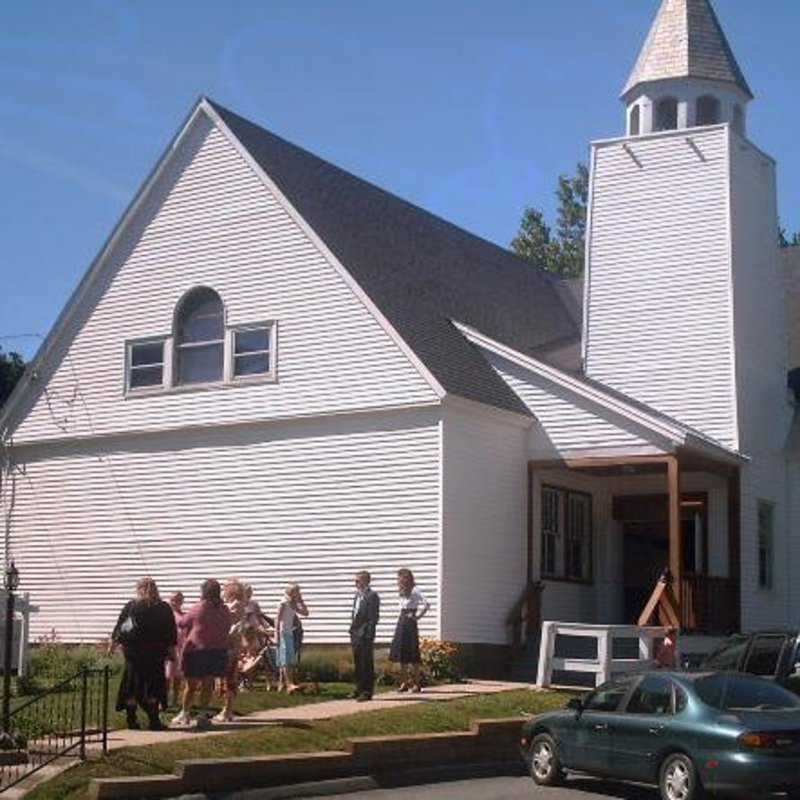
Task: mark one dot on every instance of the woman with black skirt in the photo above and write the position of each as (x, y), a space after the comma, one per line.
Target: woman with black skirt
(405, 644)
(146, 631)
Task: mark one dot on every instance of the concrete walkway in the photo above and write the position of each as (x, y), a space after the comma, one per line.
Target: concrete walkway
(314, 712)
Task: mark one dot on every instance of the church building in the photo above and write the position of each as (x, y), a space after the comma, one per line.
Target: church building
(278, 371)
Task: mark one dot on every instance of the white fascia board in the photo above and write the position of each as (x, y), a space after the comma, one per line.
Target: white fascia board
(301, 222)
(96, 267)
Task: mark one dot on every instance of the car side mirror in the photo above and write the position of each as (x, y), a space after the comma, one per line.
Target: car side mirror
(796, 673)
(575, 704)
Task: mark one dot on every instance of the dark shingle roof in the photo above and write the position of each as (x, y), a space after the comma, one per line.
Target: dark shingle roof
(419, 270)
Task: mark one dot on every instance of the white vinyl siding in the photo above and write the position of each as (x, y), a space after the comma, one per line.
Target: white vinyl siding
(760, 326)
(210, 221)
(311, 501)
(484, 529)
(659, 305)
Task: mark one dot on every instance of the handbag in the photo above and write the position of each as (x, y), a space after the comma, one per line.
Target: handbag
(128, 631)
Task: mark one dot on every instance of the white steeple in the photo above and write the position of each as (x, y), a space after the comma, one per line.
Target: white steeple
(686, 74)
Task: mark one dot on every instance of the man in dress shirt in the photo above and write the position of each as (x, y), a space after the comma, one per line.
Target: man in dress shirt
(364, 619)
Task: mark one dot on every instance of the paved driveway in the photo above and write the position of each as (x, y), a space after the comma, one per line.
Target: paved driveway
(521, 788)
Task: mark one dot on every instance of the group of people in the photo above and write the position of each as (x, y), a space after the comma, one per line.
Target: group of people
(225, 636)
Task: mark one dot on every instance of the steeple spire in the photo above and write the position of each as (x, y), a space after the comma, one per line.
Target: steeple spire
(687, 41)
(686, 75)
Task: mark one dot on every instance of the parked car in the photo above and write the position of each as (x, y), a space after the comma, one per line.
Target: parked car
(774, 655)
(726, 733)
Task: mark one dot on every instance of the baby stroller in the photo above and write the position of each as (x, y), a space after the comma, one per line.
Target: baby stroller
(258, 659)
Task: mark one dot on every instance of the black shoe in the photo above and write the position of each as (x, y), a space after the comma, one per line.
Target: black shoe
(156, 725)
(364, 698)
(132, 721)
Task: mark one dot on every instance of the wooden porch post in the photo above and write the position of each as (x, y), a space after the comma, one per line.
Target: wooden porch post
(675, 538)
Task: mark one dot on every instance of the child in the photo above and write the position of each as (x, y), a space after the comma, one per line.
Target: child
(667, 653)
(286, 621)
(173, 665)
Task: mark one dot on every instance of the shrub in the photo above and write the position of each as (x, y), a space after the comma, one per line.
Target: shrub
(52, 661)
(440, 660)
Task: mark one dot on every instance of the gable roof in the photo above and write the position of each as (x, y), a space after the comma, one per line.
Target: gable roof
(687, 41)
(418, 269)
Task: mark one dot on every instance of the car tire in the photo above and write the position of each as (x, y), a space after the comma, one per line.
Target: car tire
(678, 779)
(545, 765)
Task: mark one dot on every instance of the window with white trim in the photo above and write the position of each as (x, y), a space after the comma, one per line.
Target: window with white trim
(200, 338)
(145, 364)
(766, 523)
(251, 351)
(566, 532)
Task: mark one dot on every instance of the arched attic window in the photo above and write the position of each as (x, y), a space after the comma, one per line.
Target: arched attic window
(200, 337)
(708, 110)
(634, 123)
(667, 114)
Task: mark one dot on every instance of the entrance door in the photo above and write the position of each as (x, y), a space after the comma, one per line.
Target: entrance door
(645, 530)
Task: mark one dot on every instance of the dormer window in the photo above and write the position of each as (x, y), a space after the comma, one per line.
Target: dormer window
(708, 111)
(200, 337)
(634, 124)
(667, 114)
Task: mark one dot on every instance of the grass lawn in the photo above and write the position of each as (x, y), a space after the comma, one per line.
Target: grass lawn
(455, 715)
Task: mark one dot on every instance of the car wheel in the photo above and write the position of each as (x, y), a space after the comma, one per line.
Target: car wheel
(678, 779)
(545, 763)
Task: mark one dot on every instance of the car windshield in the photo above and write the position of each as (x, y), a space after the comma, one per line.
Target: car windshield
(728, 656)
(742, 693)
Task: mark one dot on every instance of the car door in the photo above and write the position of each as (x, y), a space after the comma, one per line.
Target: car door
(641, 730)
(592, 744)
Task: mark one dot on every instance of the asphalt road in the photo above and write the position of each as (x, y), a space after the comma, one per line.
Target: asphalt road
(507, 788)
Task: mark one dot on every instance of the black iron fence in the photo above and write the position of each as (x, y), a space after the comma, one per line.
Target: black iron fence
(62, 721)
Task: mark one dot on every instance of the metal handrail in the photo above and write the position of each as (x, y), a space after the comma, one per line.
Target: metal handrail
(56, 722)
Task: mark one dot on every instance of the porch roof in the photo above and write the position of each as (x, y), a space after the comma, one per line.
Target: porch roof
(695, 449)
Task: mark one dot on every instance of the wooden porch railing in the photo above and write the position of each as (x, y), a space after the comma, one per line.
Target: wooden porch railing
(709, 605)
(525, 615)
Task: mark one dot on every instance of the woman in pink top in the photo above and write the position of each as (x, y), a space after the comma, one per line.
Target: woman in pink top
(205, 652)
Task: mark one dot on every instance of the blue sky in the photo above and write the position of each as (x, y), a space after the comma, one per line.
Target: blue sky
(470, 109)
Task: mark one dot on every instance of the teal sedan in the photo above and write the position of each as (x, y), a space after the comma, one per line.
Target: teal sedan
(689, 734)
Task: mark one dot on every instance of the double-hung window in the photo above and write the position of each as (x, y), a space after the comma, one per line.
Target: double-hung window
(145, 364)
(251, 351)
(566, 531)
(766, 522)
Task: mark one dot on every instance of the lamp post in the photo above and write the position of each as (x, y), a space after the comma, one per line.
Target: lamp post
(11, 583)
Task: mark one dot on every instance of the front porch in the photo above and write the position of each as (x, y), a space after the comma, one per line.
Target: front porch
(602, 530)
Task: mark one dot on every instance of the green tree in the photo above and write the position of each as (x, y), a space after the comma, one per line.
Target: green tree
(562, 254)
(784, 240)
(11, 368)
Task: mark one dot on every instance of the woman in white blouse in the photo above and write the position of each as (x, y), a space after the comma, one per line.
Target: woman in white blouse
(405, 644)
